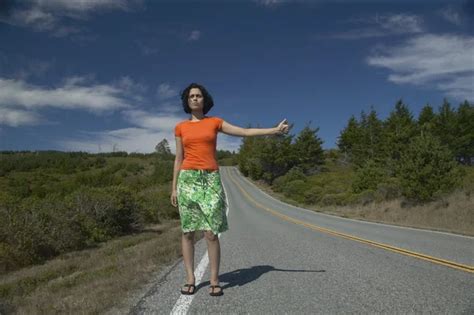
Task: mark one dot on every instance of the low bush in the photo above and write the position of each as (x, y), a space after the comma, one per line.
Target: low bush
(339, 199)
(35, 229)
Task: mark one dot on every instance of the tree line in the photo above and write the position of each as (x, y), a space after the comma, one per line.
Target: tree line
(53, 202)
(417, 157)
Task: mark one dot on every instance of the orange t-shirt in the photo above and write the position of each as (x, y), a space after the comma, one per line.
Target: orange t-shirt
(199, 142)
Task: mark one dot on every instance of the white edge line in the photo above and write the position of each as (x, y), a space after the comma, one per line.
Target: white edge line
(184, 301)
(354, 220)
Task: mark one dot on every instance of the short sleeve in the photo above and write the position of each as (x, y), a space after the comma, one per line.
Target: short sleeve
(219, 122)
(177, 130)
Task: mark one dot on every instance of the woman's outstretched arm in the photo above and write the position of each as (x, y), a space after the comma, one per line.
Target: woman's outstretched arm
(232, 130)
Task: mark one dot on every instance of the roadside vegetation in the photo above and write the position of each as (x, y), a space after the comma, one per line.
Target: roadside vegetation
(84, 232)
(401, 170)
(84, 229)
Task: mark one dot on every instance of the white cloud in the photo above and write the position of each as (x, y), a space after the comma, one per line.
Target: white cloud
(195, 35)
(42, 15)
(17, 117)
(145, 131)
(452, 16)
(127, 139)
(82, 5)
(73, 94)
(445, 62)
(148, 129)
(134, 140)
(461, 88)
(131, 87)
(270, 3)
(169, 107)
(383, 25)
(165, 91)
(33, 17)
(20, 101)
(152, 121)
(400, 23)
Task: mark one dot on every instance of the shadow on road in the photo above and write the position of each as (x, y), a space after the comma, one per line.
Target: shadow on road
(241, 277)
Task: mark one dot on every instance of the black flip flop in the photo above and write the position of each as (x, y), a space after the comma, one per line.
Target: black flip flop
(216, 293)
(189, 287)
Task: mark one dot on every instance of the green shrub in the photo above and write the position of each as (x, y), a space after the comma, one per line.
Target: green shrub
(365, 197)
(99, 162)
(228, 161)
(338, 199)
(101, 178)
(389, 189)
(105, 212)
(165, 210)
(293, 174)
(37, 229)
(156, 205)
(313, 195)
(19, 186)
(295, 190)
(162, 171)
(254, 168)
(134, 168)
(368, 177)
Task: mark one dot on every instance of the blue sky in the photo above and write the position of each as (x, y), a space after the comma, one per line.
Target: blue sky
(104, 75)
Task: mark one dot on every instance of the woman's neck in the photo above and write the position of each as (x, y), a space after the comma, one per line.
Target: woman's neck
(197, 116)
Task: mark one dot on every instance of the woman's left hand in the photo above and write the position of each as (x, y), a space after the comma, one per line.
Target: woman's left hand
(282, 127)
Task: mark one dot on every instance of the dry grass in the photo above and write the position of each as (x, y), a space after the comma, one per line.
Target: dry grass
(93, 280)
(110, 276)
(453, 213)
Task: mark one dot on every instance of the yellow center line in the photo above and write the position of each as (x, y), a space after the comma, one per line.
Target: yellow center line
(436, 260)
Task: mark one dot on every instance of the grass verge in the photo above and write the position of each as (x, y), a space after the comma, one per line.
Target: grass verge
(93, 280)
(453, 213)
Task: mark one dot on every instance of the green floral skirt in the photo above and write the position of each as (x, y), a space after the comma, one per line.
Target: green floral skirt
(201, 201)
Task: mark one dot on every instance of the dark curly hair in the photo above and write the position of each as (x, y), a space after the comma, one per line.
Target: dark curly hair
(208, 101)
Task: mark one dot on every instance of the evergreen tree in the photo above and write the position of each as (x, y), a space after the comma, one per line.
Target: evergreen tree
(276, 156)
(350, 137)
(308, 150)
(372, 136)
(399, 129)
(464, 141)
(426, 119)
(427, 168)
(368, 176)
(359, 152)
(266, 157)
(445, 125)
(249, 161)
(362, 140)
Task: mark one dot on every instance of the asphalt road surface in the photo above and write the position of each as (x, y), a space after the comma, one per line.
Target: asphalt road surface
(281, 259)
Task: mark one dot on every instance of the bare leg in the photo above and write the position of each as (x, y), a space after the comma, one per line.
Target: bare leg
(187, 242)
(214, 249)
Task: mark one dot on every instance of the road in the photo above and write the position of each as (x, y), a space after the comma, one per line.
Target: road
(281, 259)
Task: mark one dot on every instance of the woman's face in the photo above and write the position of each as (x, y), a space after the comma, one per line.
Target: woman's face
(195, 99)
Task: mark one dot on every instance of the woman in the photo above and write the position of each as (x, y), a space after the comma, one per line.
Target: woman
(197, 187)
